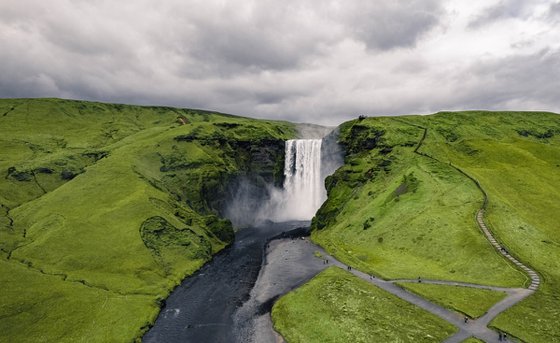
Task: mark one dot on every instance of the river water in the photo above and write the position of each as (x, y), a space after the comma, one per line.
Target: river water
(220, 304)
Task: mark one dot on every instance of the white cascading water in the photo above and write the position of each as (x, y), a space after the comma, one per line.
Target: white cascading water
(303, 191)
(307, 163)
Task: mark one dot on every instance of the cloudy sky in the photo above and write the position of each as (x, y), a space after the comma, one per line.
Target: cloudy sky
(313, 61)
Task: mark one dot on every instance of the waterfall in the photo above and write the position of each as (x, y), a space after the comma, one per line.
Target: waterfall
(306, 165)
(303, 191)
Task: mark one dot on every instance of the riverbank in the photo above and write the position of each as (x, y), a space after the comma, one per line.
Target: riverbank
(204, 307)
(288, 264)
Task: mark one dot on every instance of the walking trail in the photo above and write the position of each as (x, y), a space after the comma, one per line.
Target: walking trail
(474, 327)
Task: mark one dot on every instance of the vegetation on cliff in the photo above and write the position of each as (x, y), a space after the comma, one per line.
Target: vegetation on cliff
(402, 206)
(105, 208)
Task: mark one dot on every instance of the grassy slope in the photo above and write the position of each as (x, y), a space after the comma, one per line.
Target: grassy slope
(470, 301)
(336, 306)
(416, 204)
(103, 211)
(430, 231)
(520, 171)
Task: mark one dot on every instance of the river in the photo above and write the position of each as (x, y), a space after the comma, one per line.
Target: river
(229, 299)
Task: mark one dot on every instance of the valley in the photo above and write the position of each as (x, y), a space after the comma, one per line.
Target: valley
(116, 225)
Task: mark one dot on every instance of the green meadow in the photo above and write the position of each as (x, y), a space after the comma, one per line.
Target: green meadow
(106, 208)
(516, 158)
(336, 306)
(401, 214)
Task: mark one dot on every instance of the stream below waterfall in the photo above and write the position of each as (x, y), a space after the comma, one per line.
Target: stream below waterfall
(229, 299)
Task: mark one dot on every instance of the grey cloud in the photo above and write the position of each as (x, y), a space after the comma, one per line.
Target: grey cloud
(554, 12)
(263, 35)
(268, 35)
(505, 9)
(532, 79)
(392, 24)
(518, 82)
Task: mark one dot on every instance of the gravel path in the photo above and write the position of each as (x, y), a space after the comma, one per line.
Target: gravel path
(304, 260)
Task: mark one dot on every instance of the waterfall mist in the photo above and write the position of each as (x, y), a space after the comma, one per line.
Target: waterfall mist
(307, 163)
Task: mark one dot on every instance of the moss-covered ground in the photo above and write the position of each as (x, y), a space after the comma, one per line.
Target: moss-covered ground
(473, 302)
(336, 306)
(401, 214)
(105, 208)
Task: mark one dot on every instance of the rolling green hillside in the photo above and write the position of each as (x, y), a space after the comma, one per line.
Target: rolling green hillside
(401, 207)
(105, 208)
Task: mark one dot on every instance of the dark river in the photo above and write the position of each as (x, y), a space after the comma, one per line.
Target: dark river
(220, 303)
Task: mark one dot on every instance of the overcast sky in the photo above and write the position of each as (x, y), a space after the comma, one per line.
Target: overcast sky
(308, 61)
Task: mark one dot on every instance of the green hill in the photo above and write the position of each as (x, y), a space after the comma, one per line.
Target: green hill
(105, 208)
(401, 207)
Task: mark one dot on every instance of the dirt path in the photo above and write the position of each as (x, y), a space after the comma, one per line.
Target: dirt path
(475, 327)
(287, 255)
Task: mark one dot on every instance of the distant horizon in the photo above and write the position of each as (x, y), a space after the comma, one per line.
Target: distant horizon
(291, 60)
(280, 119)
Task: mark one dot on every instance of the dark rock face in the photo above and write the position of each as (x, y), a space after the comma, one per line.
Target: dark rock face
(67, 175)
(19, 175)
(332, 154)
(43, 170)
(267, 161)
(252, 163)
(362, 137)
(260, 163)
(262, 168)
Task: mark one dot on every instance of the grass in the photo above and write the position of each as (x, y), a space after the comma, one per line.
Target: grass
(336, 306)
(519, 172)
(393, 208)
(472, 302)
(377, 220)
(46, 308)
(106, 208)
